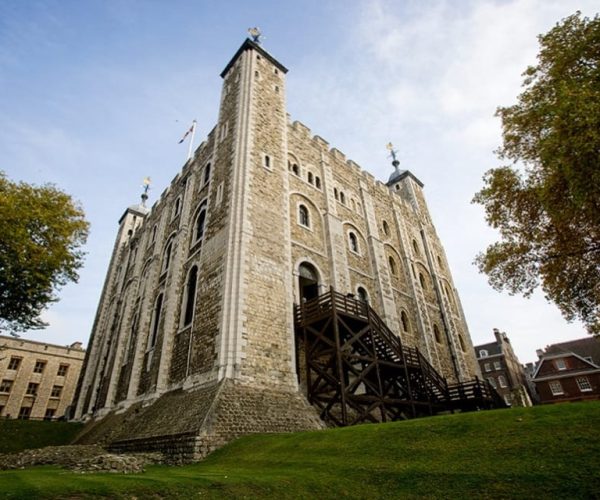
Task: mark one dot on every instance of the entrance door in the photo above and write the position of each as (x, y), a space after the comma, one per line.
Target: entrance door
(308, 282)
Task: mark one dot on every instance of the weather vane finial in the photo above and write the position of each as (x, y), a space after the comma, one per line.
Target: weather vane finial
(146, 186)
(256, 34)
(393, 154)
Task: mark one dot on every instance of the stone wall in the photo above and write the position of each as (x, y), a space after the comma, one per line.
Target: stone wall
(188, 425)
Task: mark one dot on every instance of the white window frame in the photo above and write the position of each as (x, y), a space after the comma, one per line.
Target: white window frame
(497, 365)
(483, 353)
(556, 388)
(584, 384)
(487, 367)
(560, 364)
(502, 382)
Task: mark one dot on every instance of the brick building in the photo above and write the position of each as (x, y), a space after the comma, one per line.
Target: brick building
(37, 380)
(569, 371)
(500, 366)
(198, 300)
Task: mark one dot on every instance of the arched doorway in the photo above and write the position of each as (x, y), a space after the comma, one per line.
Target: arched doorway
(308, 281)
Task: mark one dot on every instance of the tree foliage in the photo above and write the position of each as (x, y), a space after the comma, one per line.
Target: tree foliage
(41, 232)
(546, 203)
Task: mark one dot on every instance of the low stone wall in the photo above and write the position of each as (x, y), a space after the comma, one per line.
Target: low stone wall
(187, 426)
(176, 448)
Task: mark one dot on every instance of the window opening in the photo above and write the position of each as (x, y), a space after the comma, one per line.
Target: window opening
(190, 296)
(353, 242)
(438, 336)
(404, 320)
(386, 228)
(157, 313)
(303, 216)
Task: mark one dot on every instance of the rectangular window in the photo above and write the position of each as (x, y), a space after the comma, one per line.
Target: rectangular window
(62, 370)
(492, 382)
(497, 365)
(14, 363)
(56, 391)
(488, 367)
(555, 388)
(584, 384)
(24, 412)
(560, 364)
(502, 381)
(5, 386)
(49, 414)
(32, 389)
(507, 400)
(39, 367)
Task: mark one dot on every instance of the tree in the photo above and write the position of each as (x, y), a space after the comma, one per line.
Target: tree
(546, 203)
(41, 232)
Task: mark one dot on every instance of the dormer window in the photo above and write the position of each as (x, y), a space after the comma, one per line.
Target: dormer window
(483, 353)
(560, 364)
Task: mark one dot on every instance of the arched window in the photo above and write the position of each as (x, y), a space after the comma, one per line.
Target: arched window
(310, 178)
(422, 281)
(436, 333)
(362, 294)
(415, 247)
(404, 320)
(440, 262)
(267, 161)
(156, 320)
(167, 255)
(317, 182)
(200, 224)
(303, 216)
(154, 233)
(335, 194)
(483, 353)
(207, 174)
(392, 265)
(177, 207)
(295, 169)
(386, 228)
(502, 381)
(342, 198)
(353, 241)
(190, 296)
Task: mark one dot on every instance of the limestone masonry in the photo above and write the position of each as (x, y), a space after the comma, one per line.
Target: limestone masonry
(193, 342)
(37, 380)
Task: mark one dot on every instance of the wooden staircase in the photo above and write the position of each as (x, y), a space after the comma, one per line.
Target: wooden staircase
(355, 370)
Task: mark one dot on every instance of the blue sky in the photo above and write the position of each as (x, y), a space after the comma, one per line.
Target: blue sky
(95, 95)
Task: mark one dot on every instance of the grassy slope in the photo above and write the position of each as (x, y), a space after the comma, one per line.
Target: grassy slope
(18, 435)
(542, 452)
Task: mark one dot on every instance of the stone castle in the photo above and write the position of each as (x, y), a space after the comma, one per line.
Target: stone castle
(194, 340)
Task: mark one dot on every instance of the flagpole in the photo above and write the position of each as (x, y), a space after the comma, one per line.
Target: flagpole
(192, 140)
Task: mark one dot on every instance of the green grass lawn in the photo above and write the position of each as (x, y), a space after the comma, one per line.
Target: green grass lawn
(18, 435)
(544, 452)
